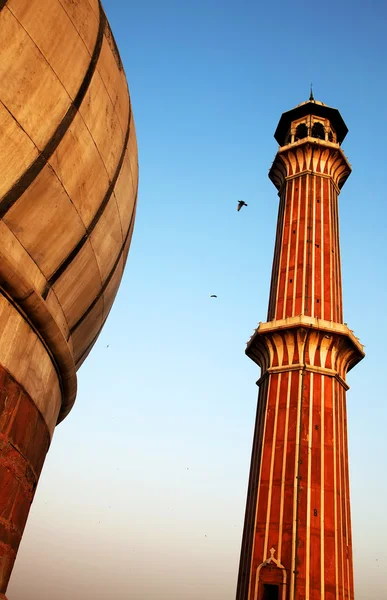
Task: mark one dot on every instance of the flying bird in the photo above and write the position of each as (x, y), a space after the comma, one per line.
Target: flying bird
(213, 296)
(240, 204)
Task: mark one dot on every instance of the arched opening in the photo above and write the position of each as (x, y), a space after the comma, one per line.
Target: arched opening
(330, 136)
(270, 583)
(318, 131)
(301, 132)
(270, 592)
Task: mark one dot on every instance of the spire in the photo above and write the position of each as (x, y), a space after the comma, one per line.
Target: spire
(311, 97)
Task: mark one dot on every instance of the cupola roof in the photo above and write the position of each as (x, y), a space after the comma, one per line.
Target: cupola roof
(310, 107)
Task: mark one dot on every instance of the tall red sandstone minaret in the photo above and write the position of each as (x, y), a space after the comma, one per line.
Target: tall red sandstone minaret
(297, 541)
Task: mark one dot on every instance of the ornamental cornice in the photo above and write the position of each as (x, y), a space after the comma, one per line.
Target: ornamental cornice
(316, 157)
(305, 343)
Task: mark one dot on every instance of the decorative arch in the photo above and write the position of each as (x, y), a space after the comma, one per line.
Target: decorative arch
(301, 132)
(259, 583)
(318, 131)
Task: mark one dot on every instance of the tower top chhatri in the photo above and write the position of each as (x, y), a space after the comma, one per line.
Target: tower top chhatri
(315, 108)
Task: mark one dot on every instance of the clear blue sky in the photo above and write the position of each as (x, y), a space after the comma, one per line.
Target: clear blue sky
(142, 496)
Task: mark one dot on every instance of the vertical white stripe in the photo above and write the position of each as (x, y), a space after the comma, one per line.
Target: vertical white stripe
(305, 244)
(331, 282)
(295, 488)
(322, 248)
(312, 311)
(309, 490)
(339, 429)
(346, 503)
(339, 316)
(335, 495)
(337, 259)
(322, 499)
(339, 291)
(284, 467)
(273, 449)
(335, 272)
(290, 212)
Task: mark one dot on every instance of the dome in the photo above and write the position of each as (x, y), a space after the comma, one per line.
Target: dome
(312, 100)
(69, 171)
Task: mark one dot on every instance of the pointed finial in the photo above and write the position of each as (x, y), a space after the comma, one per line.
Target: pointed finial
(311, 97)
(272, 552)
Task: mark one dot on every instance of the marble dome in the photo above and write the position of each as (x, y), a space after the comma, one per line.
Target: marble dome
(69, 174)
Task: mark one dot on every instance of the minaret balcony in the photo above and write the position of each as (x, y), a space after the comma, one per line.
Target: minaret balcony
(310, 156)
(305, 344)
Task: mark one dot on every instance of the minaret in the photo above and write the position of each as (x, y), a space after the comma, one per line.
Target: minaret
(297, 542)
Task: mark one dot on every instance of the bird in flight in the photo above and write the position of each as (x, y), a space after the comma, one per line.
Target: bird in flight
(240, 204)
(213, 296)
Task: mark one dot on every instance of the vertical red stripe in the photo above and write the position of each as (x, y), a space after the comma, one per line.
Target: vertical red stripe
(277, 467)
(315, 484)
(317, 250)
(329, 496)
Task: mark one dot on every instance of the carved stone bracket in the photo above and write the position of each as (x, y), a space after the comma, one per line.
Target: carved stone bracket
(310, 156)
(305, 343)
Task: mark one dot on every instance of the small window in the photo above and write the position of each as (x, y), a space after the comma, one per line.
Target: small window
(270, 592)
(330, 136)
(318, 131)
(301, 131)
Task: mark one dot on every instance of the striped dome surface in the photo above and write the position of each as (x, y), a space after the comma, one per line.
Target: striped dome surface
(69, 168)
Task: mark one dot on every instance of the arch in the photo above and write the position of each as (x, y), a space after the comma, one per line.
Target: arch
(318, 131)
(274, 566)
(301, 132)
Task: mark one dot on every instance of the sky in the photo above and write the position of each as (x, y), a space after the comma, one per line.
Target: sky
(143, 491)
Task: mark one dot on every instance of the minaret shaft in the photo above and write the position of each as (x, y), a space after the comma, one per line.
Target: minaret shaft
(307, 252)
(298, 501)
(297, 541)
